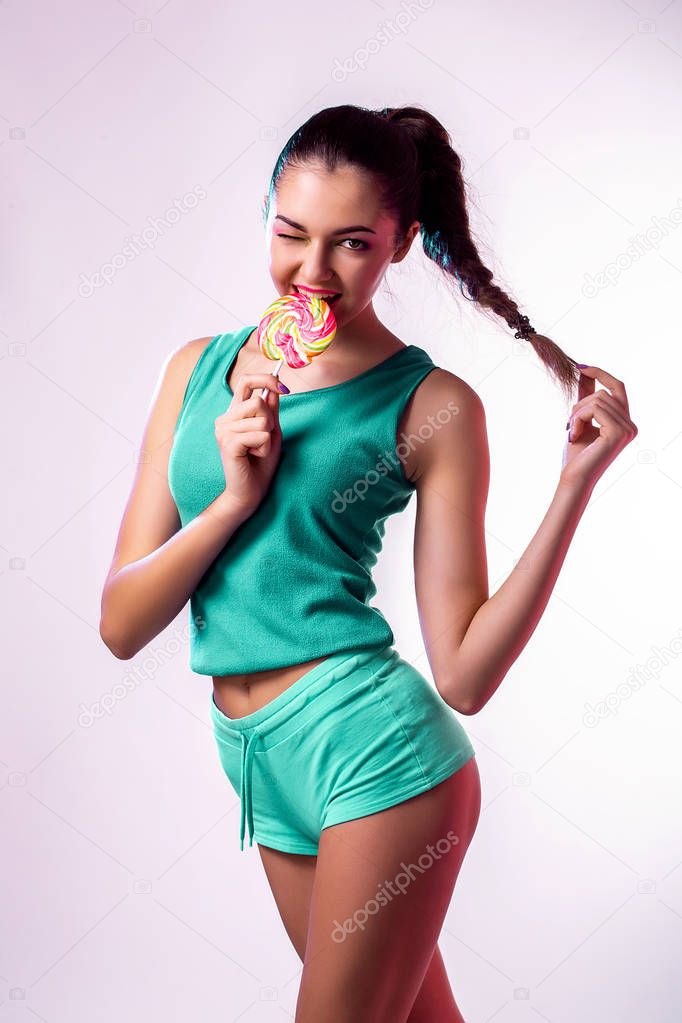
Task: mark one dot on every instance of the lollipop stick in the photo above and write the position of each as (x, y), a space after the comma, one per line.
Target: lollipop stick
(275, 373)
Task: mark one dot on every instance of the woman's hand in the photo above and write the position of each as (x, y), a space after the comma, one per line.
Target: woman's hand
(591, 449)
(250, 440)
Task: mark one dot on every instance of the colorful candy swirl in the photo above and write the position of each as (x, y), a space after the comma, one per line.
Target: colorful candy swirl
(297, 329)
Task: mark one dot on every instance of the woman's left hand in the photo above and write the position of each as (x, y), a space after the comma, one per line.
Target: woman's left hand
(591, 449)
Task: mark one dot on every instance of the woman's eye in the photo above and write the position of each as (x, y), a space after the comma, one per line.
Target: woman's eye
(359, 241)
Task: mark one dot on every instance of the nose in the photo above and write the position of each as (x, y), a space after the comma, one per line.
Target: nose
(315, 267)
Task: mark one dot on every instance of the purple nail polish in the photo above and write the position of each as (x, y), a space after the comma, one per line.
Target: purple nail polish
(282, 387)
(582, 365)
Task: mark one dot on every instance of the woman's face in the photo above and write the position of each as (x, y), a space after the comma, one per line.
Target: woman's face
(320, 252)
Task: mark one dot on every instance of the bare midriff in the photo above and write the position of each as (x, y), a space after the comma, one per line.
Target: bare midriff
(239, 695)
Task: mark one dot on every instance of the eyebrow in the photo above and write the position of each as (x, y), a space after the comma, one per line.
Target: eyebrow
(342, 230)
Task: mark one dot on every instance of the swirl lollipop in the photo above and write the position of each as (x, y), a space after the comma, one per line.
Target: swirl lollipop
(295, 329)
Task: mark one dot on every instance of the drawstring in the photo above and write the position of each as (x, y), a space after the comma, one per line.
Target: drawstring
(246, 785)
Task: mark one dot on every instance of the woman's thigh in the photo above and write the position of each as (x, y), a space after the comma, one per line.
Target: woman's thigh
(291, 878)
(382, 886)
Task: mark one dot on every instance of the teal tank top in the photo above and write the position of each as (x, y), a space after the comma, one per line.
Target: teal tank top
(294, 581)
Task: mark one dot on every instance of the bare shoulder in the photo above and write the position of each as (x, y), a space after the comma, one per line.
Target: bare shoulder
(171, 383)
(442, 385)
(447, 415)
(184, 358)
(176, 370)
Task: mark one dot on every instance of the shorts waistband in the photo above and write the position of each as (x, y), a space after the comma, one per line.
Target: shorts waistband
(279, 713)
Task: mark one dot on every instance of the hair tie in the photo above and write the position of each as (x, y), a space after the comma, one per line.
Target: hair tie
(524, 328)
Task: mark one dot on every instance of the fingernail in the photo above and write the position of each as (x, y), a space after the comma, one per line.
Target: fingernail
(568, 424)
(582, 365)
(283, 387)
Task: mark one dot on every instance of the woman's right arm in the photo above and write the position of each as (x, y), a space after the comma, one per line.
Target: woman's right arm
(157, 564)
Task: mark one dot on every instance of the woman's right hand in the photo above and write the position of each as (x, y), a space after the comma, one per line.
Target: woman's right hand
(250, 440)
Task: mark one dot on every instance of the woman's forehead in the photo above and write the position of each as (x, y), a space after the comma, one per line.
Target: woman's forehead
(329, 198)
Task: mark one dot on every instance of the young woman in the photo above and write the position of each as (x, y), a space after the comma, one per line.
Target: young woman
(355, 776)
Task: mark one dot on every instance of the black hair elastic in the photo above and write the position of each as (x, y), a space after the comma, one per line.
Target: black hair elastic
(524, 328)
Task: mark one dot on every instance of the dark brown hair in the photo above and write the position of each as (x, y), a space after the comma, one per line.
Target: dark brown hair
(409, 153)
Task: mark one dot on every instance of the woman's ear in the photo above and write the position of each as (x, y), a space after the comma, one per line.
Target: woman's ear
(404, 247)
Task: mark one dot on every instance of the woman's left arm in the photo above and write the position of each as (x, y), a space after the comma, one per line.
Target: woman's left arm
(472, 639)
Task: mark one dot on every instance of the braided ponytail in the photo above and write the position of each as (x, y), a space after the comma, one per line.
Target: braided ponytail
(446, 235)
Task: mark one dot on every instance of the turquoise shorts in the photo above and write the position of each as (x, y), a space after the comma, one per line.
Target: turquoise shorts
(357, 733)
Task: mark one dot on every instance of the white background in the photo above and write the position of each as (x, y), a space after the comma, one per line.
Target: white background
(125, 894)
